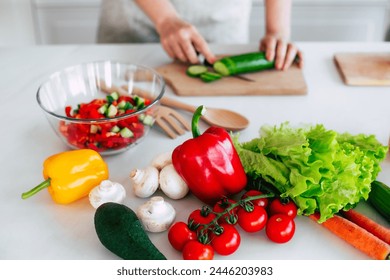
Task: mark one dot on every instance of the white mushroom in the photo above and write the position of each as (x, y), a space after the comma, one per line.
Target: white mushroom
(156, 215)
(171, 183)
(145, 181)
(162, 160)
(107, 191)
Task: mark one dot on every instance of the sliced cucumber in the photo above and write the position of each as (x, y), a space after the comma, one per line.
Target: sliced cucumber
(243, 63)
(210, 77)
(196, 70)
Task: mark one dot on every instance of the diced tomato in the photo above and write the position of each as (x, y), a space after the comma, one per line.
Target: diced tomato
(68, 111)
(125, 98)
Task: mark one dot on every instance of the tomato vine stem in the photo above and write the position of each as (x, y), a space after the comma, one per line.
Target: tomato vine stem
(202, 237)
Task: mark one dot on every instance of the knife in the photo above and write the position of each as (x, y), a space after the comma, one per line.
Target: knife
(241, 77)
(204, 61)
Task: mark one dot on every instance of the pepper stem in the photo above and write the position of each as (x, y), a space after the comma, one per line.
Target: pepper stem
(199, 112)
(38, 188)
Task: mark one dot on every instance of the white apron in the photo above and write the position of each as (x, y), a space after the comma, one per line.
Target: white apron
(219, 21)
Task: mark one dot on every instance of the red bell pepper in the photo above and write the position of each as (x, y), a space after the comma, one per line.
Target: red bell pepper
(209, 163)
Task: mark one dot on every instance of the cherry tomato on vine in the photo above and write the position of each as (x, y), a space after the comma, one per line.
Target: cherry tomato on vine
(227, 242)
(280, 228)
(179, 234)
(283, 206)
(221, 206)
(254, 220)
(194, 250)
(200, 217)
(263, 202)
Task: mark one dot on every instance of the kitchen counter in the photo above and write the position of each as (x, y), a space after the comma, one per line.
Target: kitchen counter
(38, 228)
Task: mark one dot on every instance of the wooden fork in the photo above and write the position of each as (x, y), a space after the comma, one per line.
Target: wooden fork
(171, 122)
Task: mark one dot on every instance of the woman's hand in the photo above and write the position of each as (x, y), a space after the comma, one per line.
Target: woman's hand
(283, 52)
(182, 41)
(275, 42)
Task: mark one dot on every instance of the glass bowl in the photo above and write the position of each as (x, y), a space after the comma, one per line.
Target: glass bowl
(106, 106)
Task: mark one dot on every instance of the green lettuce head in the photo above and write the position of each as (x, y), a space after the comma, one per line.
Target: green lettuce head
(321, 170)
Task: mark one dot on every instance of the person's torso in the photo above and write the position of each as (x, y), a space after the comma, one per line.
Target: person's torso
(219, 21)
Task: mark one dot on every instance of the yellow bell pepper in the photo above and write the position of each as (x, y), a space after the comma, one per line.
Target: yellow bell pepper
(71, 175)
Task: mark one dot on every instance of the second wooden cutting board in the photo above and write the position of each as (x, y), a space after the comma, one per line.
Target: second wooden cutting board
(269, 82)
(364, 69)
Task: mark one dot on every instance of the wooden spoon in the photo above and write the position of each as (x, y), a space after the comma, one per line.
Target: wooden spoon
(227, 119)
(224, 118)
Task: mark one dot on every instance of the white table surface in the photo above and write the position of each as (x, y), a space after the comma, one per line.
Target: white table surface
(38, 228)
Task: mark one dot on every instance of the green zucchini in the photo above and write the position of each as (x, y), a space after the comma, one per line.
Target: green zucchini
(196, 70)
(210, 77)
(379, 198)
(120, 231)
(243, 63)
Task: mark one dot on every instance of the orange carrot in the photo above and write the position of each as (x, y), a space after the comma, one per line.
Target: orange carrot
(356, 236)
(368, 224)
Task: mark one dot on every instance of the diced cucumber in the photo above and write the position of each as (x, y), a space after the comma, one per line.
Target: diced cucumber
(139, 101)
(103, 109)
(115, 129)
(93, 129)
(109, 99)
(126, 133)
(196, 70)
(124, 105)
(76, 111)
(243, 63)
(114, 95)
(148, 120)
(112, 111)
(210, 77)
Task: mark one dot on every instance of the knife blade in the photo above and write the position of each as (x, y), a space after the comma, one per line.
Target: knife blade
(243, 78)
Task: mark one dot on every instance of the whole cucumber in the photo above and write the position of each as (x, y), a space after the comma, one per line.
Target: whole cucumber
(379, 198)
(243, 63)
(120, 231)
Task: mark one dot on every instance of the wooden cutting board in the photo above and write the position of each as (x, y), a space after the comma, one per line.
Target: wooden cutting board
(364, 69)
(269, 82)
